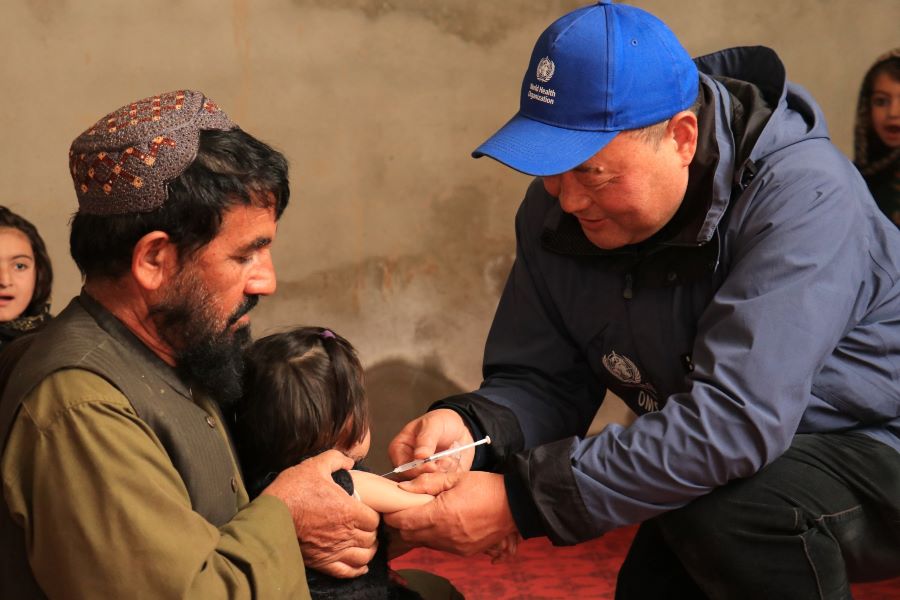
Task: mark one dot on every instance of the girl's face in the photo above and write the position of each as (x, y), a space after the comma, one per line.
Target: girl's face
(885, 109)
(17, 273)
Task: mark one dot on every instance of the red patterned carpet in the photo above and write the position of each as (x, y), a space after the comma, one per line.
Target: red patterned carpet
(541, 571)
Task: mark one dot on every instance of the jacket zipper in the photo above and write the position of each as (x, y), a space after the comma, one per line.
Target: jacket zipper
(628, 292)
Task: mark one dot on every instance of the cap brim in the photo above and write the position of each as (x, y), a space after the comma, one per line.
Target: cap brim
(535, 148)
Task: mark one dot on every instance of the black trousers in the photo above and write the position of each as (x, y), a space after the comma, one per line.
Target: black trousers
(825, 513)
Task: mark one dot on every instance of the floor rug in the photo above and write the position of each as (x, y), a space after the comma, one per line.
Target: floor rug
(541, 571)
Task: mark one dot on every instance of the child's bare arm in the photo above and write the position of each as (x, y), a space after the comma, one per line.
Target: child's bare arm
(383, 495)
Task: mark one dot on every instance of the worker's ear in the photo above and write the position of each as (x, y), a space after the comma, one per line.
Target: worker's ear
(153, 259)
(682, 130)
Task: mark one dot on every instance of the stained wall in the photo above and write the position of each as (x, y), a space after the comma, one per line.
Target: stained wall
(395, 237)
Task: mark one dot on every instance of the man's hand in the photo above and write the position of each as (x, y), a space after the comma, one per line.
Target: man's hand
(469, 515)
(432, 432)
(336, 532)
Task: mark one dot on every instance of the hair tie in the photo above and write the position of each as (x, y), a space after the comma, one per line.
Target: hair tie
(326, 333)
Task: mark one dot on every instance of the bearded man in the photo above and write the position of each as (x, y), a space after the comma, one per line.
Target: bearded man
(119, 478)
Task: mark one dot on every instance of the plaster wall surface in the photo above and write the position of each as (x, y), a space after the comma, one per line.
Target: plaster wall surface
(395, 237)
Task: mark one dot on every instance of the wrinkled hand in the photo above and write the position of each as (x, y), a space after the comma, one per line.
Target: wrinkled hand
(470, 513)
(432, 432)
(336, 532)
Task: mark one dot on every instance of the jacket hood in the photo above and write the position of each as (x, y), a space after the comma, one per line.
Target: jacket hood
(785, 114)
(796, 115)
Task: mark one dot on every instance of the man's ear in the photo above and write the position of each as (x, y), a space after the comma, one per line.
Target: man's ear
(684, 131)
(154, 257)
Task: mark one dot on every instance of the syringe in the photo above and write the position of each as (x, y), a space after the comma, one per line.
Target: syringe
(421, 461)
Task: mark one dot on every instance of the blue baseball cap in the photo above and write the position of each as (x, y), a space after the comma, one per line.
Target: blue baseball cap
(596, 71)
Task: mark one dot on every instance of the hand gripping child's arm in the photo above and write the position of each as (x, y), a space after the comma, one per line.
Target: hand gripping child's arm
(383, 496)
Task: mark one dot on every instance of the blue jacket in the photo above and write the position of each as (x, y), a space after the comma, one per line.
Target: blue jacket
(769, 307)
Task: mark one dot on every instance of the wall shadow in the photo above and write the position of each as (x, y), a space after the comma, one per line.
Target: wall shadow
(399, 391)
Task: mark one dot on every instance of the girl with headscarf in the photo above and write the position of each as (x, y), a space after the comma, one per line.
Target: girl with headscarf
(26, 277)
(877, 133)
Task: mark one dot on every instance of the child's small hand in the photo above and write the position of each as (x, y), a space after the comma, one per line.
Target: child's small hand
(504, 549)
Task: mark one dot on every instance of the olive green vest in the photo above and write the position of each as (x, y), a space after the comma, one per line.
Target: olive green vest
(86, 336)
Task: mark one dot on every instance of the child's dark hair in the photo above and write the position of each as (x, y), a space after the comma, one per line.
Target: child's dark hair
(303, 394)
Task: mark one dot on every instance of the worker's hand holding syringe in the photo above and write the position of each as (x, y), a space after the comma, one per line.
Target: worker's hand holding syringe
(470, 513)
(433, 432)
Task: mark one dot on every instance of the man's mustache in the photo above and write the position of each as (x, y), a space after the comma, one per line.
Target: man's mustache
(246, 306)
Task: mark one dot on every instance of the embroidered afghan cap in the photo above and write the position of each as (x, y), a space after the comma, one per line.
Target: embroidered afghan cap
(123, 163)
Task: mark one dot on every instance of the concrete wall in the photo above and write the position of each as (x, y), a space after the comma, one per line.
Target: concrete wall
(395, 237)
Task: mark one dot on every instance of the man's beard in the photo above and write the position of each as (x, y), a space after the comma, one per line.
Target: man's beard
(208, 352)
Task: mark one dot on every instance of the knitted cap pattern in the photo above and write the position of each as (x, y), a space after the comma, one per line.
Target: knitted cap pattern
(123, 163)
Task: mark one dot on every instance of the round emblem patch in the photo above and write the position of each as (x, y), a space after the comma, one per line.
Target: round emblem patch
(545, 69)
(622, 368)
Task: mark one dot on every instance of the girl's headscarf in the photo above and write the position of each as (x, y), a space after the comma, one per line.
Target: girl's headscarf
(870, 154)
